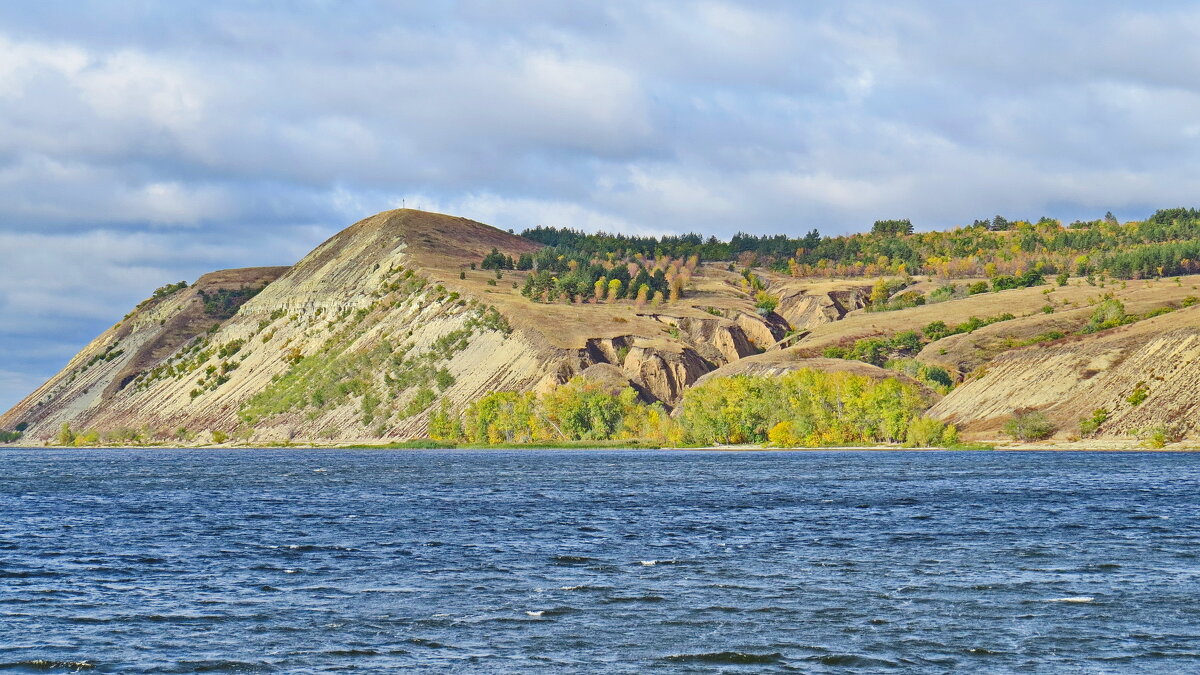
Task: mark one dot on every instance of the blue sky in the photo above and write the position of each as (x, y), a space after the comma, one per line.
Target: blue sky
(143, 143)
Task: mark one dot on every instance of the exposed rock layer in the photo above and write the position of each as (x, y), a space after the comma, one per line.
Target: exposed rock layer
(387, 321)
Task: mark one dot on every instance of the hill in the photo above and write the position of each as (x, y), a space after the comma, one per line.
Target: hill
(406, 315)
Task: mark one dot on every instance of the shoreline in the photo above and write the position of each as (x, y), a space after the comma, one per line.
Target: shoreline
(982, 446)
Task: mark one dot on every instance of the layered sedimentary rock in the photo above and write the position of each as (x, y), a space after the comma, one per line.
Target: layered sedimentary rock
(1143, 376)
(361, 340)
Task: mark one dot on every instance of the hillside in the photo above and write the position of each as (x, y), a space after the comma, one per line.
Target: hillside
(395, 318)
(364, 336)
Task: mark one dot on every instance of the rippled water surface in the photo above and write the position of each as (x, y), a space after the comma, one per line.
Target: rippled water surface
(579, 561)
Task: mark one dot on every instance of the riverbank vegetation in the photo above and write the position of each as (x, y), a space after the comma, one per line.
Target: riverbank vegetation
(807, 408)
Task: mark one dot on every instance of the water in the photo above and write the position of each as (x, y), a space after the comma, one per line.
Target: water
(171, 561)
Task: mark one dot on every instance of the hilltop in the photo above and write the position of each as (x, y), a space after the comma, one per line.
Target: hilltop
(406, 315)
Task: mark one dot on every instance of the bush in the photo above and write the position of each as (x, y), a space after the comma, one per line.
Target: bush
(1030, 425)
(219, 436)
(764, 303)
(65, 435)
(1030, 278)
(936, 377)
(907, 341)
(943, 293)
(1108, 314)
(1090, 425)
(925, 432)
(1139, 394)
(935, 330)
(1157, 437)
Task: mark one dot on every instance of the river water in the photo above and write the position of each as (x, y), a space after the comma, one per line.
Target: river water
(173, 561)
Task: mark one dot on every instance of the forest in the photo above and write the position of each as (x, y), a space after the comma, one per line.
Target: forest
(1010, 253)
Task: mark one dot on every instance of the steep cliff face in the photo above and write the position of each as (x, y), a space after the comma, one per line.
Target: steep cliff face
(102, 371)
(363, 339)
(1070, 379)
(807, 308)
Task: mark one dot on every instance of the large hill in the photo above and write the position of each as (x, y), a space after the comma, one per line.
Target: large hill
(396, 316)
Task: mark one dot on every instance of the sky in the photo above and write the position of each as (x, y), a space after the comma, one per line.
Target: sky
(143, 143)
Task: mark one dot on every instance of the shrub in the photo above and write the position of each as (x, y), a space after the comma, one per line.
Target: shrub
(219, 436)
(1090, 425)
(935, 377)
(1157, 437)
(169, 289)
(943, 293)
(935, 330)
(1030, 278)
(1139, 394)
(765, 303)
(64, 436)
(444, 426)
(907, 341)
(1029, 425)
(224, 302)
(1108, 314)
(90, 437)
(444, 379)
(925, 432)
(420, 401)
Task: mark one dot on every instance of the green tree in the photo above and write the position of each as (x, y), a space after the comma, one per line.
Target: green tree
(765, 303)
(65, 436)
(1029, 425)
(614, 289)
(892, 227)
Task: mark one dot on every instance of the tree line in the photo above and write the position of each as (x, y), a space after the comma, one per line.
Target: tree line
(1166, 243)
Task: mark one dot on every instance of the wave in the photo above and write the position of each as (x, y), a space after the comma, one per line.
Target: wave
(852, 660)
(221, 666)
(571, 559)
(727, 657)
(620, 599)
(42, 665)
(553, 611)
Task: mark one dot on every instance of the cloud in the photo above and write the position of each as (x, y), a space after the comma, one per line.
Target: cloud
(143, 143)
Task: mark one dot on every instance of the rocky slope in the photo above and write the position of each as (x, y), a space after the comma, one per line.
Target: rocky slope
(367, 335)
(388, 321)
(1070, 379)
